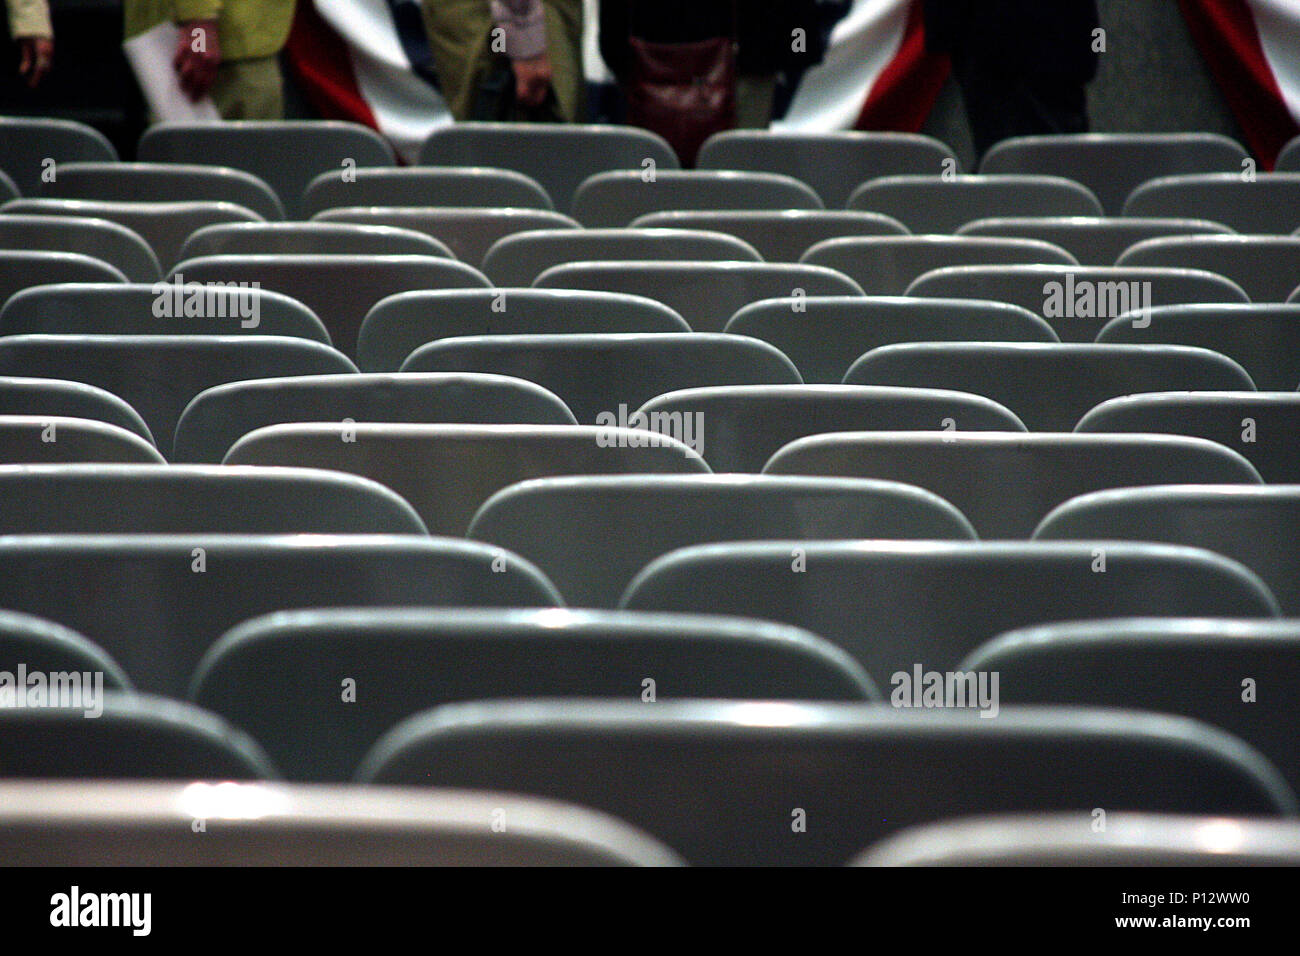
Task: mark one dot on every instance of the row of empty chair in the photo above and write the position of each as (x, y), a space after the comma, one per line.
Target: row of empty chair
(263, 824)
(748, 766)
(820, 169)
(554, 484)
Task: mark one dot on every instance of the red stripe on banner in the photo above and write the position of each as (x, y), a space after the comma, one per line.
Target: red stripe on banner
(903, 95)
(1226, 34)
(322, 65)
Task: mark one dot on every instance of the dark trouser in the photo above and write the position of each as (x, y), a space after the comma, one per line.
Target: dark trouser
(1000, 105)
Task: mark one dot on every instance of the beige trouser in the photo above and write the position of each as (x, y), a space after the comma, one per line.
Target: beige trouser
(459, 36)
(754, 96)
(251, 89)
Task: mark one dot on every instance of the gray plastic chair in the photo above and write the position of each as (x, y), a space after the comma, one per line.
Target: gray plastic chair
(888, 265)
(156, 603)
(932, 204)
(1264, 339)
(705, 294)
(219, 416)
(159, 374)
(163, 225)
(1269, 205)
(1049, 387)
(135, 737)
(27, 142)
(825, 336)
(1078, 301)
(196, 499)
(1256, 526)
(1266, 267)
(310, 238)
(1264, 427)
(895, 606)
(566, 525)
(100, 239)
(1006, 484)
(340, 289)
(401, 323)
(285, 154)
(93, 308)
(1112, 165)
(152, 824)
(779, 235)
(1194, 668)
(833, 164)
(20, 395)
(425, 186)
(745, 425)
(163, 182)
(597, 374)
(447, 471)
(559, 157)
(823, 764)
(518, 259)
(277, 677)
(56, 439)
(22, 270)
(1093, 241)
(469, 233)
(45, 647)
(619, 198)
(1128, 839)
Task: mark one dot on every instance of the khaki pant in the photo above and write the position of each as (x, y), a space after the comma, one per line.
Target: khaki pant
(459, 36)
(251, 89)
(754, 95)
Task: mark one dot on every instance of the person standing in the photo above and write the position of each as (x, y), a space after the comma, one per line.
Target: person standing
(1023, 66)
(29, 25)
(508, 59)
(228, 50)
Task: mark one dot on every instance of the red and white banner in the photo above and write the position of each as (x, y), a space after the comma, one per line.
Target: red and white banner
(352, 60)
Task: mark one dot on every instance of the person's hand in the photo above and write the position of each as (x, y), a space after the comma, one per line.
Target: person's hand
(198, 54)
(532, 80)
(34, 58)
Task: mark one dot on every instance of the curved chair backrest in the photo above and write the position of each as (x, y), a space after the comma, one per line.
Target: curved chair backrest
(196, 499)
(1263, 426)
(596, 375)
(565, 525)
(156, 603)
(219, 416)
(637, 762)
(896, 606)
(1006, 483)
(705, 294)
(1050, 387)
(471, 462)
(740, 427)
(160, 374)
(276, 677)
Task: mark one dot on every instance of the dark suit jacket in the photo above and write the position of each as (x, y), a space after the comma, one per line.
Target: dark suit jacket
(1051, 38)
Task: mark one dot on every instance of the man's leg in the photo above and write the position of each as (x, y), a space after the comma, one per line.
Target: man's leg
(1000, 105)
(250, 89)
(459, 33)
(754, 96)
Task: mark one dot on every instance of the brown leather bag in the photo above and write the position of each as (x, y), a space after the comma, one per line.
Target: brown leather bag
(685, 92)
